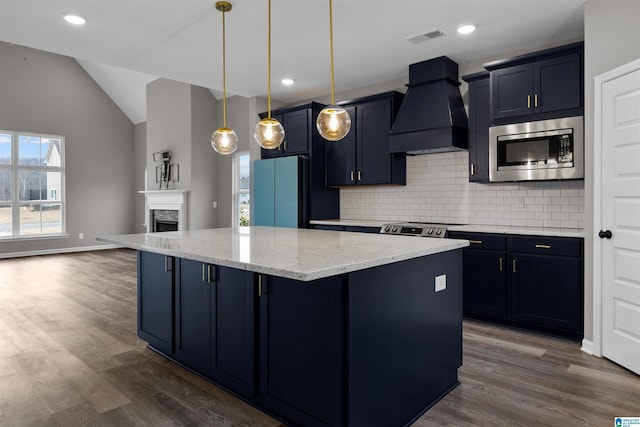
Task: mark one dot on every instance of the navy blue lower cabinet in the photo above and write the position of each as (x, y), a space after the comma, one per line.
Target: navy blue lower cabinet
(375, 347)
(485, 274)
(529, 282)
(155, 300)
(233, 330)
(301, 350)
(404, 339)
(193, 316)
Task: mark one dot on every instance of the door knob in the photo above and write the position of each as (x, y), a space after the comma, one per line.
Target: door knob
(605, 234)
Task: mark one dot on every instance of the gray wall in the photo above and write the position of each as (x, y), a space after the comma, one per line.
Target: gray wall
(139, 170)
(611, 39)
(204, 161)
(181, 118)
(48, 93)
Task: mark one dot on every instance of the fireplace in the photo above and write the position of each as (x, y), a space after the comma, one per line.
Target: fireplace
(164, 220)
(166, 210)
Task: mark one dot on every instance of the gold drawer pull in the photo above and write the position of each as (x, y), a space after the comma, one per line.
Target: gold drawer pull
(543, 246)
(476, 242)
(514, 266)
(501, 264)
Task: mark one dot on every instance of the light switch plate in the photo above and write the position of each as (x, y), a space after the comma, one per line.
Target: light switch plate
(441, 283)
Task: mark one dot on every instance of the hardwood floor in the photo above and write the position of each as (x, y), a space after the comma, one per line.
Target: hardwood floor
(69, 356)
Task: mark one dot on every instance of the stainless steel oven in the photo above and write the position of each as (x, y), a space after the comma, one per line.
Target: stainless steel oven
(543, 150)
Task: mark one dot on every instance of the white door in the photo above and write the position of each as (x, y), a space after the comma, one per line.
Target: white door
(620, 210)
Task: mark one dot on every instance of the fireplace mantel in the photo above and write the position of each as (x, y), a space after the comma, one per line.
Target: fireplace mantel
(166, 200)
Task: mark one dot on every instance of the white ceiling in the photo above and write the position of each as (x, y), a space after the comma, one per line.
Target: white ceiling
(127, 43)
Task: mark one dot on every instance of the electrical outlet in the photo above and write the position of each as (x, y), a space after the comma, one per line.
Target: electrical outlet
(441, 283)
(80, 236)
(215, 204)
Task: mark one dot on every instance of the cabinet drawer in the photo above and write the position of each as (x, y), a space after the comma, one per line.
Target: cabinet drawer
(494, 242)
(543, 245)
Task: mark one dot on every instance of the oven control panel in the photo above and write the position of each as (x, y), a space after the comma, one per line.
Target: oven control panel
(415, 229)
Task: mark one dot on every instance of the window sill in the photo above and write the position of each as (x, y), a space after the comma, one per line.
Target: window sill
(39, 237)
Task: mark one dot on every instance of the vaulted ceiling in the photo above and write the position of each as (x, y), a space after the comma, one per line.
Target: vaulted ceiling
(126, 43)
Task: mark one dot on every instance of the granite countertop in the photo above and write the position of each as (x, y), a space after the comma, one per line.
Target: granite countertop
(474, 228)
(294, 253)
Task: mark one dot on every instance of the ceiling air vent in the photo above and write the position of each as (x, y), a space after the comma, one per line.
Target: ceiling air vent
(422, 37)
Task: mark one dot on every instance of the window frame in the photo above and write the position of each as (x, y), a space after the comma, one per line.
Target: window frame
(236, 190)
(16, 203)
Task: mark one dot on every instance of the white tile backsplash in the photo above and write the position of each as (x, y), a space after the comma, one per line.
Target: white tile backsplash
(438, 190)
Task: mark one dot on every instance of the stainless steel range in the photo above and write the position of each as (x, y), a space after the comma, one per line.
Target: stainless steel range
(415, 229)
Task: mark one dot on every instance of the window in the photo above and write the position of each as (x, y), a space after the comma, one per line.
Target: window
(31, 185)
(241, 190)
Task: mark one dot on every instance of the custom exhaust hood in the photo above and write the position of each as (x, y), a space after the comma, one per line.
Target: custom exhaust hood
(432, 118)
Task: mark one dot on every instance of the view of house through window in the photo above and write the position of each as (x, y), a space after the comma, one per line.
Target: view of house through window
(31, 184)
(242, 189)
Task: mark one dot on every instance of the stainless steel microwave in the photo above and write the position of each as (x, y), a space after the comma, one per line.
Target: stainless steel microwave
(543, 150)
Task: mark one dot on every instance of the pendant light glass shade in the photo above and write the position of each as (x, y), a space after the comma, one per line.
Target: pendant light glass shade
(224, 140)
(333, 122)
(269, 133)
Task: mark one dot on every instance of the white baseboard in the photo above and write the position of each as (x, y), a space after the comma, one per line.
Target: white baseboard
(58, 251)
(587, 346)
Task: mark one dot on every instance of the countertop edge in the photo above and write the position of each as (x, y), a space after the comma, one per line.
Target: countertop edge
(446, 245)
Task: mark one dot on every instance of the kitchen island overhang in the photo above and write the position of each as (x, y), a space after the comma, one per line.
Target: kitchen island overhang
(341, 329)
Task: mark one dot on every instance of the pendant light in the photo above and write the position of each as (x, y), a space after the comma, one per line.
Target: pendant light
(224, 140)
(269, 133)
(333, 122)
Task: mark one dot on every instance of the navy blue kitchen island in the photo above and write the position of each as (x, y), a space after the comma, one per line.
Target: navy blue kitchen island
(316, 328)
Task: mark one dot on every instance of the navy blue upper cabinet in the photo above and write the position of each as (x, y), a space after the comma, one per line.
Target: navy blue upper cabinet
(363, 157)
(537, 86)
(479, 120)
(299, 125)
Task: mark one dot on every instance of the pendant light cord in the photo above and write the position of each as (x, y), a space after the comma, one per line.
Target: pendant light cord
(224, 76)
(333, 91)
(269, 64)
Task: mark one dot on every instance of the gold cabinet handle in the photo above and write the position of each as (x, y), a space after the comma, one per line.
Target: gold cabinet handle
(359, 175)
(501, 264)
(475, 242)
(259, 285)
(352, 176)
(167, 268)
(528, 101)
(285, 145)
(473, 169)
(543, 246)
(535, 100)
(514, 265)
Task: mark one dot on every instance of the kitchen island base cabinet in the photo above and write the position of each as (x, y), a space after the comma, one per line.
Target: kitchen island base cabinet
(377, 346)
(155, 300)
(214, 323)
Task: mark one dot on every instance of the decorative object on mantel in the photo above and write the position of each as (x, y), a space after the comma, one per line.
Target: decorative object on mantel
(269, 132)
(224, 140)
(166, 171)
(333, 122)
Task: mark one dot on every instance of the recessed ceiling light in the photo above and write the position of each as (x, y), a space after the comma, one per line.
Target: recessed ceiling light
(287, 82)
(466, 28)
(74, 19)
